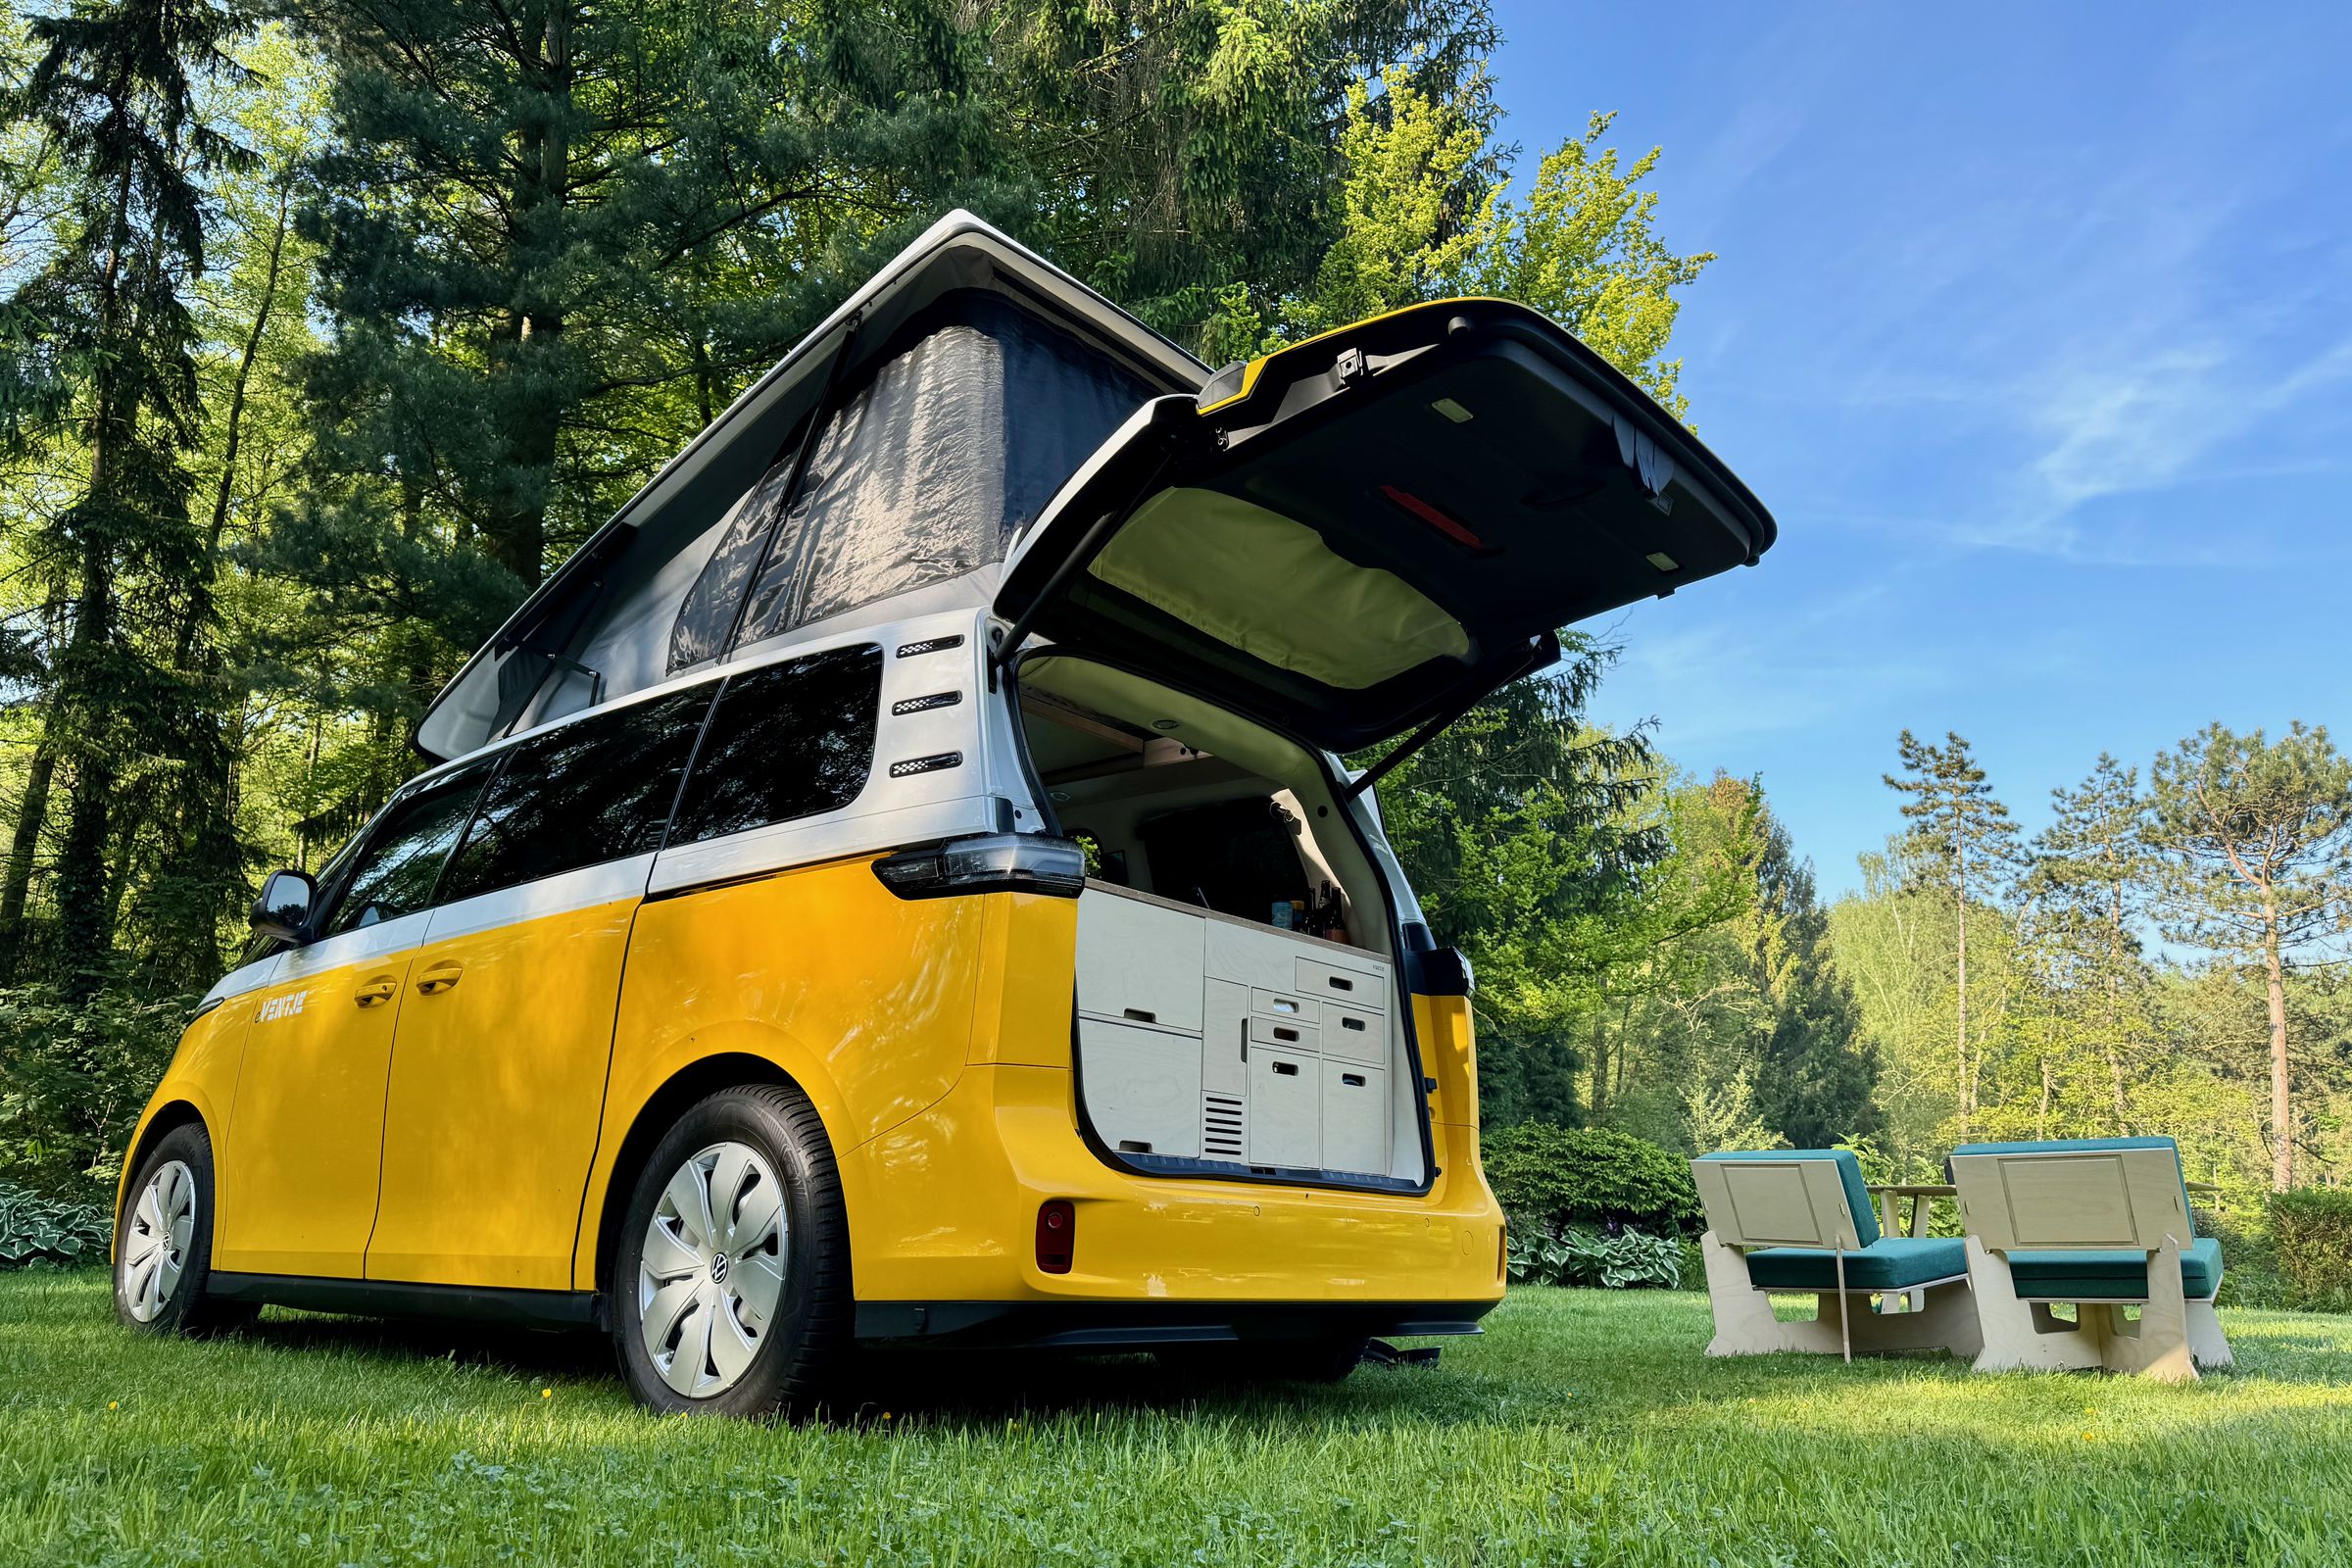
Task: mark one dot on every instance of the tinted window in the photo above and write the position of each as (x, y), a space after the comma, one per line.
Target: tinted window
(397, 867)
(595, 790)
(789, 740)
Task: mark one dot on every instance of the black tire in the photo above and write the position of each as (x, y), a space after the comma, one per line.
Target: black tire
(188, 1305)
(804, 1346)
(1321, 1360)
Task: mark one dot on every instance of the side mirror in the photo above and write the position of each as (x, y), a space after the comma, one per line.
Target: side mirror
(283, 909)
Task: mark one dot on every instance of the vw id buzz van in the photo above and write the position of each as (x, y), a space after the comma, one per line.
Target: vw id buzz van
(898, 884)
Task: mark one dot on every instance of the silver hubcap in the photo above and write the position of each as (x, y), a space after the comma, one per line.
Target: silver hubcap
(713, 1269)
(162, 1225)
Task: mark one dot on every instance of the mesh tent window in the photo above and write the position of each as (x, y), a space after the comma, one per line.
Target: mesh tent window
(923, 471)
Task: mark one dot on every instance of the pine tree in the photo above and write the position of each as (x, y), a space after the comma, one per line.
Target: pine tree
(116, 86)
(2256, 843)
(1962, 841)
(2088, 885)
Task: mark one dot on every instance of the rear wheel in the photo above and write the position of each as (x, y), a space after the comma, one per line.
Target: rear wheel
(731, 1287)
(164, 1242)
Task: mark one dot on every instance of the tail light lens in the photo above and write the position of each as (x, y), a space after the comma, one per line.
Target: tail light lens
(996, 863)
(1056, 1235)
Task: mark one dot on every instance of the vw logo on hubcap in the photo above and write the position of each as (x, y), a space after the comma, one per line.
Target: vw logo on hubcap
(719, 1268)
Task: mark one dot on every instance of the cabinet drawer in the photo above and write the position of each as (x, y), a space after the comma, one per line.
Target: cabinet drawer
(1139, 962)
(1350, 1030)
(1285, 1109)
(1283, 1005)
(1356, 987)
(1355, 1117)
(1143, 1087)
(1282, 1033)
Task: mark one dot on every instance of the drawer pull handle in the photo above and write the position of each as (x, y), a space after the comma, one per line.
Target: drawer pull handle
(1141, 1016)
(1353, 1080)
(1285, 1005)
(1281, 1033)
(1287, 1069)
(1358, 1024)
(1340, 984)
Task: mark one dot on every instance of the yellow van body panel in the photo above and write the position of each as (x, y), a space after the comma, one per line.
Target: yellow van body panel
(944, 1209)
(304, 1137)
(204, 1075)
(861, 997)
(497, 1085)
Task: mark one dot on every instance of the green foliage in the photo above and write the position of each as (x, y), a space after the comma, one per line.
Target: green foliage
(2311, 1234)
(60, 1231)
(1626, 1260)
(1561, 1177)
(73, 1077)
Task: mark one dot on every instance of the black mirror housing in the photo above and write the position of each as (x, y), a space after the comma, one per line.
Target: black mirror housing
(283, 909)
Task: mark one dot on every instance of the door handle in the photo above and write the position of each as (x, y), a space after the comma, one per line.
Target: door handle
(376, 992)
(439, 978)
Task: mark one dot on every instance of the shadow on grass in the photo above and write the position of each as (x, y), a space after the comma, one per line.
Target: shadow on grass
(941, 1387)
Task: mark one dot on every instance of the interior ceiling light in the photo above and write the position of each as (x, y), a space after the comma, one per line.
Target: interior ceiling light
(1164, 724)
(1664, 561)
(1453, 411)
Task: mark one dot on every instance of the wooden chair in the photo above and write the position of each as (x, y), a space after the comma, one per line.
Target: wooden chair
(2100, 1223)
(1800, 1220)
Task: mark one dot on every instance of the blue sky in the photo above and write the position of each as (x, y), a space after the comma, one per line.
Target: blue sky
(2034, 328)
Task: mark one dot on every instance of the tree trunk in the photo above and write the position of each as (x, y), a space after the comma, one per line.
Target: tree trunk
(32, 815)
(2282, 1123)
(1967, 1089)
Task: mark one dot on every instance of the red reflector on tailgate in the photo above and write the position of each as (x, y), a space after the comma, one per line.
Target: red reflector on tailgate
(1433, 516)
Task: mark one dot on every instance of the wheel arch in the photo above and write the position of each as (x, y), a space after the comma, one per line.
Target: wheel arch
(696, 1080)
(159, 1124)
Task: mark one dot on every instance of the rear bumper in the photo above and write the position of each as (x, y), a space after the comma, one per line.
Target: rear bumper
(1113, 1325)
(943, 1213)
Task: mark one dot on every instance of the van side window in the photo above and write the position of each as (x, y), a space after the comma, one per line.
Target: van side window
(397, 869)
(788, 740)
(594, 790)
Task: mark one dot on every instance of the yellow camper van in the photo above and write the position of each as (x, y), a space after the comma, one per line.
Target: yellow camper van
(897, 883)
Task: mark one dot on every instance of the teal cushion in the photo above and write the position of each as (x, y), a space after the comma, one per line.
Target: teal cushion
(2105, 1275)
(1849, 1171)
(1889, 1263)
(2076, 1145)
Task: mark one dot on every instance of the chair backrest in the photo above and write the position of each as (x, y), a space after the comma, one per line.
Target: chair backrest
(2075, 1195)
(1786, 1198)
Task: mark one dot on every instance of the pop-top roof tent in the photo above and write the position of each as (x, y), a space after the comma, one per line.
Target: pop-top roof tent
(1350, 538)
(970, 377)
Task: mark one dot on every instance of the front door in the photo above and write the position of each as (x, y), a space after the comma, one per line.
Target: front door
(305, 1136)
(498, 1076)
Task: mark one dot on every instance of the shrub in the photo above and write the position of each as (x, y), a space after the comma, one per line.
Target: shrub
(73, 1077)
(48, 1230)
(2311, 1234)
(1625, 1262)
(1590, 1178)
(2249, 1263)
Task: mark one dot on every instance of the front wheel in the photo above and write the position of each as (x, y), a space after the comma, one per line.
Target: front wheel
(164, 1242)
(731, 1287)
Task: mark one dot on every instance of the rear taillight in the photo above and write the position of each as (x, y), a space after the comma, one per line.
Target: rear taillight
(1056, 1235)
(999, 862)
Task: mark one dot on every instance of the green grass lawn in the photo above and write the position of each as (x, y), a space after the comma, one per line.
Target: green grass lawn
(1584, 1427)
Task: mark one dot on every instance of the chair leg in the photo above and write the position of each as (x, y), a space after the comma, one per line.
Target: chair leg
(1946, 1322)
(1744, 1320)
(2024, 1335)
(2158, 1346)
(2207, 1345)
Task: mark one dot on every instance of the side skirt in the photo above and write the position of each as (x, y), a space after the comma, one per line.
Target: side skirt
(1128, 1325)
(537, 1309)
